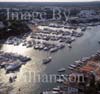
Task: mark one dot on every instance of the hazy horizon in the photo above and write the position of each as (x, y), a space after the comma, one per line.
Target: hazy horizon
(48, 0)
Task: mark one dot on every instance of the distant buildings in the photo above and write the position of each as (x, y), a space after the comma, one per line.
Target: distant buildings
(87, 13)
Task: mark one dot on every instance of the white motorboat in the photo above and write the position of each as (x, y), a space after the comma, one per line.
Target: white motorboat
(62, 70)
(54, 49)
(73, 66)
(47, 60)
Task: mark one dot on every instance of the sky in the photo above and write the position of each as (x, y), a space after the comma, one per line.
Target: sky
(47, 0)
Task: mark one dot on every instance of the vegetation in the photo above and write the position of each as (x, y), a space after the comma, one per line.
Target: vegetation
(14, 29)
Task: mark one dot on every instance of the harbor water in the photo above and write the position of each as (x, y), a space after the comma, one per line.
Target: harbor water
(83, 46)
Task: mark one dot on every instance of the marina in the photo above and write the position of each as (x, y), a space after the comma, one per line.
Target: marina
(46, 39)
(12, 62)
(56, 59)
(50, 55)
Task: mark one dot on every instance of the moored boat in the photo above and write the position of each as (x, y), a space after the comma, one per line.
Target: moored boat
(62, 70)
(47, 60)
(53, 49)
(72, 65)
(12, 67)
(70, 68)
(69, 45)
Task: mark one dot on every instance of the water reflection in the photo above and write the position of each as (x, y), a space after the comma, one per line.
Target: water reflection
(84, 46)
(33, 66)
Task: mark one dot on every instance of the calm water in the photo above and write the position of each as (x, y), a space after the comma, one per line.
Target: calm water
(82, 47)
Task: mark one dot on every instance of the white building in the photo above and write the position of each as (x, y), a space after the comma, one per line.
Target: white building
(87, 13)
